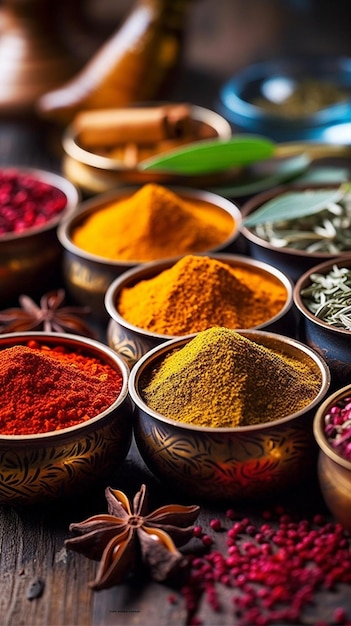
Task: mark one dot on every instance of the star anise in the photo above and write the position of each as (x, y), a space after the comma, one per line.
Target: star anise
(127, 536)
(49, 316)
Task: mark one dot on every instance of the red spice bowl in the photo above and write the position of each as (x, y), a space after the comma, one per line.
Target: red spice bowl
(75, 385)
(32, 203)
(131, 342)
(245, 462)
(333, 436)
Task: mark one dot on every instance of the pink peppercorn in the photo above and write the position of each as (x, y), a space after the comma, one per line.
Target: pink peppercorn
(27, 202)
(274, 579)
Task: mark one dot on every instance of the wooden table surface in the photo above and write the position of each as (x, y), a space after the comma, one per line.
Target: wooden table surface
(32, 538)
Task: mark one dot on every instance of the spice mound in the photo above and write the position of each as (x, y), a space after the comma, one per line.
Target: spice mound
(199, 292)
(223, 379)
(153, 223)
(45, 389)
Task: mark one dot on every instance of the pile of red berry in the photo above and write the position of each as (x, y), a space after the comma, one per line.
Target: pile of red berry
(27, 202)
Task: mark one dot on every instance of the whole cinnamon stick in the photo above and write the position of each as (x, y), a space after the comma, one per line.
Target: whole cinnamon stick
(142, 125)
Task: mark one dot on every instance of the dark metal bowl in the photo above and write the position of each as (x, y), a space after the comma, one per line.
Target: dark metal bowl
(334, 472)
(30, 261)
(333, 344)
(291, 261)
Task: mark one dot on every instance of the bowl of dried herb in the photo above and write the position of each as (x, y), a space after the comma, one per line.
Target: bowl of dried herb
(65, 415)
(322, 296)
(159, 301)
(332, 431)
(227, 415)
(295, 227)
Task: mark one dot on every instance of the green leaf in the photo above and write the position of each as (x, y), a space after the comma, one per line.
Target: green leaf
(212, 155)
(292, 205)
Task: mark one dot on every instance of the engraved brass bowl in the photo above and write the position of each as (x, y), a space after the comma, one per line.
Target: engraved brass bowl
(132, 342)
(292, 262)
(332, 343)
(30, 261)
(334, 471)
(228, 464)
(95, 173)
(87, 276)
(64, 463)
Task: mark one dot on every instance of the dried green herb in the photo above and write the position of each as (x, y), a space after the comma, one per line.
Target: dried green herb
(328, 297)
(312, 220)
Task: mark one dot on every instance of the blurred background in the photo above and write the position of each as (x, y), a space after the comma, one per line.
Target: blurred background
(220, 37)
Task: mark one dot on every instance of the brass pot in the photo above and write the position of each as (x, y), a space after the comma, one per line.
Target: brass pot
(334, 471)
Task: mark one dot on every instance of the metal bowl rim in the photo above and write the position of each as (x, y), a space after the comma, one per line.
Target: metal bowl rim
(300, 283)
(318, 429)
(154, 353)
(97, 203)
(71, 192)
(258, 200)
(82, 155)
(126, 277)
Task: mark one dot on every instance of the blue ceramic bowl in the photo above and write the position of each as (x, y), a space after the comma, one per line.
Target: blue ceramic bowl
(256, 99)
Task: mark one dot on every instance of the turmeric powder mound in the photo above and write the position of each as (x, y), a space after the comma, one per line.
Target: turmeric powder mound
(223, 379)
(198, 292)
(153, 223)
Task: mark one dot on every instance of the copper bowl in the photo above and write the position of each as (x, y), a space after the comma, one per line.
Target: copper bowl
(132, 342)
(332, 343)
(67, 462)
(29, 261)
(334, 471)
(95, 173)
(228, 464)
(292, 262)
(87, 276)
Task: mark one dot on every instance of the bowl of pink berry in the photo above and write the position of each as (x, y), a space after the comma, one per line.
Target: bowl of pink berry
(332, 431)
(32, 203)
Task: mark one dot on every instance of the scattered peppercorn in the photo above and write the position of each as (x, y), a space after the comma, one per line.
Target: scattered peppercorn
(275, 569)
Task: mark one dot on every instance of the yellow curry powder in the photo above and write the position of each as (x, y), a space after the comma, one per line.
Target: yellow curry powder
(198, 292)
(153, 223)
(223, 379)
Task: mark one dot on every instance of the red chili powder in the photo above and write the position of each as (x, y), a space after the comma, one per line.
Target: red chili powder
(44, 389)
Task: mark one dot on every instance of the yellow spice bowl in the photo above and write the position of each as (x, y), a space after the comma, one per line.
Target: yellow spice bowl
(87, 276)
(228, 464)
(334, 471)
(132, 342)
(64, 463)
